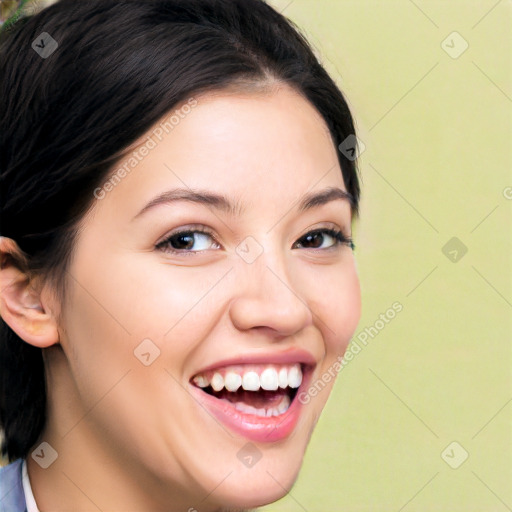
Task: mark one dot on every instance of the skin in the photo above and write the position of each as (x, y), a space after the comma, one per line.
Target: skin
(132, 437)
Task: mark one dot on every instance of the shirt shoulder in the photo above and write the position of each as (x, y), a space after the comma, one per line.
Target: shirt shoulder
(12, 497)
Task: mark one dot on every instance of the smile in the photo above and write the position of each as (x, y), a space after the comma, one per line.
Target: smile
(256, 400)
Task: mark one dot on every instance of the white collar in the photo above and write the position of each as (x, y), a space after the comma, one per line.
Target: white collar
(27, 490)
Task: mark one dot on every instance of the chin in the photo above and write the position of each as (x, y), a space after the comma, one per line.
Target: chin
(243, 492)
(269, 479)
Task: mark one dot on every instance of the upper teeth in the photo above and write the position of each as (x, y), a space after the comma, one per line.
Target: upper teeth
(269, 378)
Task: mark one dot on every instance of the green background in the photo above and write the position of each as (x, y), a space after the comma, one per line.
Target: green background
(438, 157)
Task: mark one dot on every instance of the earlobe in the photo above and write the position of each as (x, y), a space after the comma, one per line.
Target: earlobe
(21, 307)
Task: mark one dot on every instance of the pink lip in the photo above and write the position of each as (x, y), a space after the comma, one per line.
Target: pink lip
(250, 426)
(286, 357)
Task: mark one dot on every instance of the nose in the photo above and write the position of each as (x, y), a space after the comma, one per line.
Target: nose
(267, 299)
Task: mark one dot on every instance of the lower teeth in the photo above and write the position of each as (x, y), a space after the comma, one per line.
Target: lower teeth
(277, 410)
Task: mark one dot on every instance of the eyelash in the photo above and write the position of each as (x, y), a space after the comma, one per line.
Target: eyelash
(338, 235)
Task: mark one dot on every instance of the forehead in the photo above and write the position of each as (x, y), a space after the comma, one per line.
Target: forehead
(269, 147)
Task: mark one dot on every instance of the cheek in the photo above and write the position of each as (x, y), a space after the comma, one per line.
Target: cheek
(338, 307)
(98, 341)
(159, 299)
(131, 301)
(129, 402)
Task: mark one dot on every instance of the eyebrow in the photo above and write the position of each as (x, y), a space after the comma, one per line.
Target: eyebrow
(222, 203)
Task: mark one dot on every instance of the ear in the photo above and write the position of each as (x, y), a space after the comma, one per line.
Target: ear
(21, 305)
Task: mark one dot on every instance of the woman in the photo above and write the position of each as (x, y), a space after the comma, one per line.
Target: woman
(176, 256)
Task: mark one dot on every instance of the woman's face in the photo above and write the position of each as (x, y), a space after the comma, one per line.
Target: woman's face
(176, 347)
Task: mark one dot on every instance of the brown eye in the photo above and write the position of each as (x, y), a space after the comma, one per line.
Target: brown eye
(182, 241)
(317, 238)
(313, 240)
(190, 241)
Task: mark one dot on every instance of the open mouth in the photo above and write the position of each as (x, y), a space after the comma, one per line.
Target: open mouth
(265, 391)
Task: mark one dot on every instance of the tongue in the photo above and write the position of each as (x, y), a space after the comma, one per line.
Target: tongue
(257, 399)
